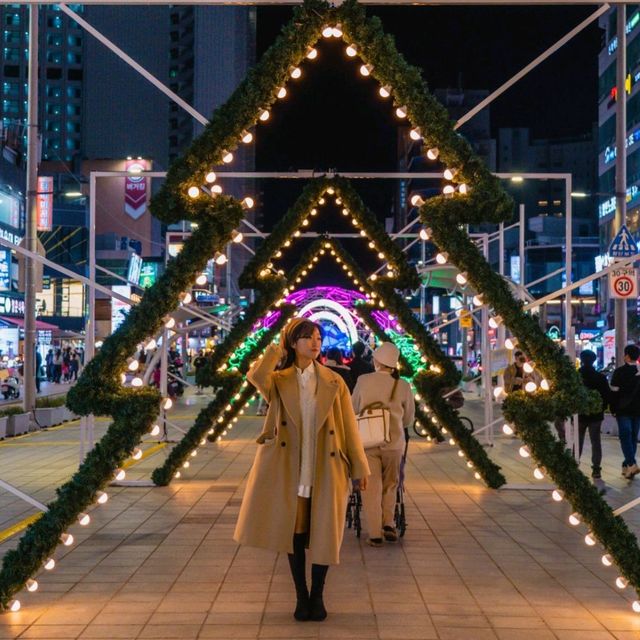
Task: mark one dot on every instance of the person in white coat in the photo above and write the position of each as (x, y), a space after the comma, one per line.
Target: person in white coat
(386, 386)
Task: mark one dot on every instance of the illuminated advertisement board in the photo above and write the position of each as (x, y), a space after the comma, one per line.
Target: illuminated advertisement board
(135, 266)
(10, 211)
(148, 274)
(119, 309)
(44, 203)
(5, 270)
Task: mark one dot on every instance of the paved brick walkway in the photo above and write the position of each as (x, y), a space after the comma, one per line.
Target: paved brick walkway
(475, 564)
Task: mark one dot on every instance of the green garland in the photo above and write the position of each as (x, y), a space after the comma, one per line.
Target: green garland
(228, 384)
(530, 413)
(230, 414)
(100, 392)
(292, 222)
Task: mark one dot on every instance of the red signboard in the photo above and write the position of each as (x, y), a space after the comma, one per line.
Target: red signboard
(135, 189)
(44, 203)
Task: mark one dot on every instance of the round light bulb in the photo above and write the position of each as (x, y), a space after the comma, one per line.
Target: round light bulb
(449, 173)
(401, 112)
(414, 134)
(557, 495)
(461, 278)
(264, 115)
(134, 365)
(384, 92)
(424, 234)
(186, 464)
(32, 585)
(282, 92)
(590, 540)
(460, 453)
(327, 32)
(538, 474)
(463, 189)
(351, 51)
(14, 605)
(193, 192)
(528, 367)
(84, 519)
(448, 190)
(119, 474)
(530, 387)
(607, 560)
(507, 430)
(137, 453)
(621, 582)
(49, 564)
(155, 430)
(186, 298)
(217, 189)
(227, 157)
(442, 258)
(66, 539)
(365, 69)
(509, 344)
(574, 519)
(296, 72)
(220, 258)
(417, 200)
(336, 31)
(248, 202)
(211, 177)
(477, 300)
(201, 279)
(635, 605)
(433, 153)
(524, 452)
(177, 474)
(312, 53)
(544, 384)
(247, 137)
(497, 392)
(194, 453)
(170, 323)
(102, 497)
(137, 382)
(493, 323)
(168, 403)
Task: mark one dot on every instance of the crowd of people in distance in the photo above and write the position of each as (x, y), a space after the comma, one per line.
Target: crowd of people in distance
(620, 394)
(63, 365)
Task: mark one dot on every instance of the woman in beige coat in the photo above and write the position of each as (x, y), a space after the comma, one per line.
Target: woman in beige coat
(297, 490)
(384, 386)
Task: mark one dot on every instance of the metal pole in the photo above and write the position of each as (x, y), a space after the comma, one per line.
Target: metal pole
(31, 231)
(620, 306)
(163, 377)
(90, 326)
(227, 266)
(521, 252)
(485, 346)
(568, 267)
(423, 257)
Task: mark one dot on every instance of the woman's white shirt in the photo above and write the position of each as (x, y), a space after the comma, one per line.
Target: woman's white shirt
(307, 386)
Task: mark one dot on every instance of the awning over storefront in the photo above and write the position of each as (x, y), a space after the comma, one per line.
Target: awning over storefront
(19, 322)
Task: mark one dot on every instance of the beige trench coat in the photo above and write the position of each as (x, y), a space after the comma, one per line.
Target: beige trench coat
(268, 512)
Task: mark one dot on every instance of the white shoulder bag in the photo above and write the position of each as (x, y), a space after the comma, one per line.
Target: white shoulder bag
(374, 423)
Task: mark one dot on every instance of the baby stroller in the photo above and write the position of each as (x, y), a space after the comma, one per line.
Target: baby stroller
(354, 505)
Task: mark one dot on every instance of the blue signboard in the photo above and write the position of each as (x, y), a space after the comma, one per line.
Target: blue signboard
(5, 270)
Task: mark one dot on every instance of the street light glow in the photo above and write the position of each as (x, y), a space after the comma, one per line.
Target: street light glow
(579, 194)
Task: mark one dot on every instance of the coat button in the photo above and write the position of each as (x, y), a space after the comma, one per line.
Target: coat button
(331, 432)
(333, 454)
(284, 423)
(283, 444)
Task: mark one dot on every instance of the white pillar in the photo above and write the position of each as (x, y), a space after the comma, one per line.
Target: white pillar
(486, 357)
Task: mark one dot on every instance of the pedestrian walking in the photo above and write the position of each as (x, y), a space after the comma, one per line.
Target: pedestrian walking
(360, 364)
(593, 421)
(625, 403)
(297, 490)
(49, 365)
(386, 386)
(57, 366)
(335, 362)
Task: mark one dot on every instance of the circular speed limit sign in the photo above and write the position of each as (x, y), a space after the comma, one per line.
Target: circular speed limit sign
(624, 283)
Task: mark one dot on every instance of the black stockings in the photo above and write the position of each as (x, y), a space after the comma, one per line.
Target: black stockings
(309, 606)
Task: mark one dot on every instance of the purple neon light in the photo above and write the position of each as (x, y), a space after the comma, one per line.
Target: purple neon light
(346, 297)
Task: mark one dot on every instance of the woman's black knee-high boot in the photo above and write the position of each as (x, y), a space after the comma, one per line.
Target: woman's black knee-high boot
(297, 565)
(316, 605)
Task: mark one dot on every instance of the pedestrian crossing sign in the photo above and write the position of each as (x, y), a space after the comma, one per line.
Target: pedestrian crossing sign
(623, 245)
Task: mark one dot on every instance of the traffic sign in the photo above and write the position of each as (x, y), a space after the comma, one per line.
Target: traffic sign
(466, 320)
(623, 283)
(623, 245)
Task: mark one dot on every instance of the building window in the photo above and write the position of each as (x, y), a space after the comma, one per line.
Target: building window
(543, 203)
(12, 19)
(11, 106)
(556, 203)
(12, 54)
(11, 89)
(54, 22)
(74, 92)
(72, 298)
(54, 40)
(54, 92)
(54, 57)
(74, 58)
(74, 41)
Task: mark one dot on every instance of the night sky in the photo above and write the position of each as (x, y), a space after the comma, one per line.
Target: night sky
(333, 117)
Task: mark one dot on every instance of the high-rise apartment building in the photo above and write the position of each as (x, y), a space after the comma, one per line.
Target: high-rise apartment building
(61, 42)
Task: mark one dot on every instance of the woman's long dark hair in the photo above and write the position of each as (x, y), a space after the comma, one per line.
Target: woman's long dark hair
(291, 334)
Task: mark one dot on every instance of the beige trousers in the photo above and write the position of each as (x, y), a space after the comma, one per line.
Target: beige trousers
(379, 500)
